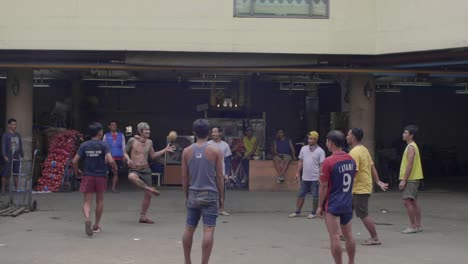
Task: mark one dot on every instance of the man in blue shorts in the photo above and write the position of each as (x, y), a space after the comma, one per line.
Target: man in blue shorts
(335, 196)
(203, 184)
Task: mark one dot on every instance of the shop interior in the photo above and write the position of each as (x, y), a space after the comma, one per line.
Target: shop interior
(170, 100)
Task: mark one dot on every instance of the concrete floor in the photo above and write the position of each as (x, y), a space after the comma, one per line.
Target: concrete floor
(258, 231)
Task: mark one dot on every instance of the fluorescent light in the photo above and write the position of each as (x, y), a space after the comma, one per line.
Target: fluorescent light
(388, 90)
(319, 82)
(41, 78)
(205, 88)
(461, 91)
(421, 84)
(291, 89)
(209, 81)
(109, 79)
(41, 85)
(129, 86)
(461, 85)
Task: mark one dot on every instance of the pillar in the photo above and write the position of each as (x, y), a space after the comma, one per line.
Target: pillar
(19, 105)
(362, 108)
(312, 109)
(76, 103)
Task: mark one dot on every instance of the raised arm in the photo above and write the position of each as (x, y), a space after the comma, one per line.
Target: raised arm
(155, 155)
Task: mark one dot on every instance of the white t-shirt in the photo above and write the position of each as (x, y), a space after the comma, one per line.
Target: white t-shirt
(311, 163)
(224, 148)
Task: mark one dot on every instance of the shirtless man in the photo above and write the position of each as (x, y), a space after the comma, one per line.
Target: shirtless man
(136, 154)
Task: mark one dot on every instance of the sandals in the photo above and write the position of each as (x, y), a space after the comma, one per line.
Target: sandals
(371, 242)
(97, 229)
(146, 221)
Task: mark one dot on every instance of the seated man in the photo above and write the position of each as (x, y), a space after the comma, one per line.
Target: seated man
(283, 152)
(246, 148)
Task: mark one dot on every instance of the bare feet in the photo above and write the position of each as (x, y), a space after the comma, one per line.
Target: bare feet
(153, 191)
(88, 229)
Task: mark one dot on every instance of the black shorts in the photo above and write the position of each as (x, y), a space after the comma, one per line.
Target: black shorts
(361, 205)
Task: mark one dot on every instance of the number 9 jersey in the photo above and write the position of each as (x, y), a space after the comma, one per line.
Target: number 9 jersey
(339, 170)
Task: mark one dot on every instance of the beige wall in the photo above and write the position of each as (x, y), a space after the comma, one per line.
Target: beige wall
(209, 25)
(417, 25)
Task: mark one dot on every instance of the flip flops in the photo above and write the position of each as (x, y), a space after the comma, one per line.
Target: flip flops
(371, 242)
(97, 230)
(146, 221)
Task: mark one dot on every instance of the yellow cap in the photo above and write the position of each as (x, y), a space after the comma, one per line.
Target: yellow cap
(313, 134)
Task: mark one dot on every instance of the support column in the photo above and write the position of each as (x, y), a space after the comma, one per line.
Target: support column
(19, 105)
(76, 103)
(312, 109)
(362, 108)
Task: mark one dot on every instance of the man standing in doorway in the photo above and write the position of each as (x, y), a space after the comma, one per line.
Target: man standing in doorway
(216, 135)
(116, 142)
(284, 153)
(203, 184)
(362, 187)
(311, 158)
(93, 178)
(12, 151)
(136, 154)
(336, 183)
(411, 174)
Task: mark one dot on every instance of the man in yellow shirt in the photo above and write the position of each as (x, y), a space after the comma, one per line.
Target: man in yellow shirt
(410, 176)
(247, 148)
(362, 187)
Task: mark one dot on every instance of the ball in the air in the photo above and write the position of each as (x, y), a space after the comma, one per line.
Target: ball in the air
(172, 136)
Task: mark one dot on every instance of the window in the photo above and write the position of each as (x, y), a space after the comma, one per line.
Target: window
(282, 8)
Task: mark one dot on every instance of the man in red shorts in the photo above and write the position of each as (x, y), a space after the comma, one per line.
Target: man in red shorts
(335, 196)
(95, 154)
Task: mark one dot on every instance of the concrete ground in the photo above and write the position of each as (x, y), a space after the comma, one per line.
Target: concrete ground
(258, 231)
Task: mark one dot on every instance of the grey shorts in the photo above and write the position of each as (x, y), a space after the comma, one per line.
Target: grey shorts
(144, 175)
(283, 157)
(361, 205)
(411, 190)
(202, 204)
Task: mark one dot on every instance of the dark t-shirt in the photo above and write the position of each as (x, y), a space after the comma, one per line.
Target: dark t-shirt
(94, 152)
(339, 170)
